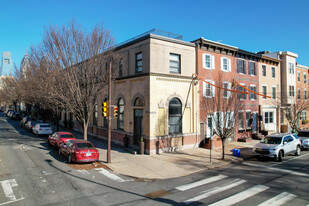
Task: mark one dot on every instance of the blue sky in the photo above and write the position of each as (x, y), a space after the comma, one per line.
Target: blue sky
(254, 25)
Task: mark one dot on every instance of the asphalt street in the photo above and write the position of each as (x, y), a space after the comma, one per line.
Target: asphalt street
(31, 173)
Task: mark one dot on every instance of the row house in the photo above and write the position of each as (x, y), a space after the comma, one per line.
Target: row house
(302, 87)
(156, 97)
(221, 64)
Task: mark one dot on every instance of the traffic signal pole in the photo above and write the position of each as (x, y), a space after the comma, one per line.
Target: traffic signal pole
(109, 112)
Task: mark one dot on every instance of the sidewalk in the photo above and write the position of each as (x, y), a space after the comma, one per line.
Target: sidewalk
(167, 165)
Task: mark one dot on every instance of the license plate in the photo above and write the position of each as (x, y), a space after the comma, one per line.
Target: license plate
(88, 154)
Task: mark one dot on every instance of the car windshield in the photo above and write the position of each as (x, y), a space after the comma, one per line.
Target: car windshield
(44, 125)
(303, 134)
(84, 145)
(67, 136)
(272, 140)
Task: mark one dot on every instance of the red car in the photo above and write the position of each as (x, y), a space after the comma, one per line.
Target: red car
(79, 151)
(58, 138)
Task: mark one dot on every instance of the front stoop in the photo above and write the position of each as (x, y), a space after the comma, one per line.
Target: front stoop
(244, 139)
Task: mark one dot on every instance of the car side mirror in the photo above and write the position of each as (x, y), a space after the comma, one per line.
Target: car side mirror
(285, 142)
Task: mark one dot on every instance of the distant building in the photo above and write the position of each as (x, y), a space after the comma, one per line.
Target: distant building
(6, 68)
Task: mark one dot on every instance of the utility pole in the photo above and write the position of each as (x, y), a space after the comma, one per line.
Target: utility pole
(109, 112)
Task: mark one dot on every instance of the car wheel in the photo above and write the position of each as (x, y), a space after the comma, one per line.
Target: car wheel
(59, 152)
(69, 159)
(280, 156)
(297, 153)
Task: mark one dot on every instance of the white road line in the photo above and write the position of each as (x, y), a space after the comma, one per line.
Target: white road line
(291, 159)
(7, 188)
(85, 172)
(279, 199)
(277, 169)
(241, 196)
(110, 175)
(199, 183)
(215, 191)
(9, 202)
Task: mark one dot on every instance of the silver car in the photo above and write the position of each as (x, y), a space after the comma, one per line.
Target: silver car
(277, 146)
(304, 138)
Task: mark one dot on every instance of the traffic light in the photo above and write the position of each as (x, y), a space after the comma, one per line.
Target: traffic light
(115, 111)
(105, 109)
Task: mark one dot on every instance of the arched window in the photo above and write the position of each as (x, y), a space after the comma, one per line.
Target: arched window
(138, 102)
(175, 116)
(120, 124)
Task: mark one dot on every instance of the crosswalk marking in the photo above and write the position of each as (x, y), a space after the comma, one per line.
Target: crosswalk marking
(279, 199)
(241, 196)
(216, 190)
(7, 188)
(110, 175)
(200, 183)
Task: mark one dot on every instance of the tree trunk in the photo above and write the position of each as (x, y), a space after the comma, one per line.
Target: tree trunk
(223, 148)
(85, 130)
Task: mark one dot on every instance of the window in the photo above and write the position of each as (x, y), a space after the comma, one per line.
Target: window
(139, 62)
(241, 95)
(95, 115)
(274, 93)
(252, 96)
(298, 76)
(174, 118)
(273, 72)
(248, 123)
(120, 120)
(291, 68)
(298, 93)
(305, 78)
(225, 64)
(305, 94)
(264, 70)
(241, 66)
(240, 120)
(6, 61)
(208, 61)
(120, 68)
(208, 90)
(175, 63)
(252, 68)
(291, 91)
(269, 117)
(264, 88)
(303, 115)
(226, 85)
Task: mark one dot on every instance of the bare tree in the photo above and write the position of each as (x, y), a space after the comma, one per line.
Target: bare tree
(221, 104)
(68, 69)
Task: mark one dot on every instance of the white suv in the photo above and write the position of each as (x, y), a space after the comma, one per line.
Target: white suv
(277, 146)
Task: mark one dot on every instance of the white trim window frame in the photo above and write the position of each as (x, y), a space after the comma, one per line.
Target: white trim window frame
(252, 96)
(252, 68)
(298, 93)
(263, 70)
(208, 90)
(227, 85)
(241, 96)
(291, 68)
(291, 91)
(225, 64)
(273, 72)
(264, 91)
(208, 61)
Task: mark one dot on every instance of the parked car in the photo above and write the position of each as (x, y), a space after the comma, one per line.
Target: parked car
(60, 137)
(24, 121)
(8, 111)
(79, 151)
(16, 116)
(42, 129)
(30, 124)
(277, 146)
(304, 138)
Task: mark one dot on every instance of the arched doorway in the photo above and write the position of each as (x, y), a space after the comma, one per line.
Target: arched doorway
(175, 116)
(138, 120)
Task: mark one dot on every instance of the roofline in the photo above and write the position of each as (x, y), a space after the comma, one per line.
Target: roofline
(302, 66)
(203, 40)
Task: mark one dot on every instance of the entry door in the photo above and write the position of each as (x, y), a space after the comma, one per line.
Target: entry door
(138, 125)
(254, 122)
(209, 130)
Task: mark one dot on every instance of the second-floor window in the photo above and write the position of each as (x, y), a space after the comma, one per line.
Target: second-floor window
(139, 62)
(241, 66)
(291, 91)
(252, 96)
(298, 93)
(252, 68)
(274, 93)
(264, 91)
(305, 78)
(225, 64)
(264, 70)
(273, 72)
(298, 76)
(175, 63)
(241, 95)
(208, 61)
(291, 68)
